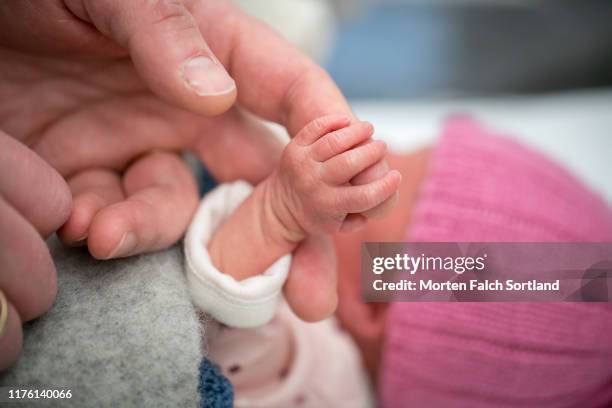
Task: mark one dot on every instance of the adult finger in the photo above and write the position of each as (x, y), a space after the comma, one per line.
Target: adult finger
(237, 146)
(92, 190)
(233, 137)
(49, 27)
(32, 187)
(161, 198)
(27, 273)
(276, 80)
(167, 48)
(11, 335)
(311, 285)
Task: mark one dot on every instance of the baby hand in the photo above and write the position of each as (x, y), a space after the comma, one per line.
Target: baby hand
(311, 191)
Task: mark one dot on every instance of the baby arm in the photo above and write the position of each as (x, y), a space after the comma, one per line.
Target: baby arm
(308, 193)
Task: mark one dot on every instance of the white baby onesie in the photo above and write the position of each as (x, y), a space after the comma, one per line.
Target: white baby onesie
(272, 358)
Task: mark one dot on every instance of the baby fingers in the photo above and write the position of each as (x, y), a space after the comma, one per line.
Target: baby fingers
(342, 168)
(341, 140)
(357, 199)
(320, 127)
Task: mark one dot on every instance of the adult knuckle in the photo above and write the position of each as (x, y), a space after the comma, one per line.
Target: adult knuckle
(172, 15)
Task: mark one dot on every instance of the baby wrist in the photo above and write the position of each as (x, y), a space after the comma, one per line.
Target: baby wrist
(279, 211)
(247, 303)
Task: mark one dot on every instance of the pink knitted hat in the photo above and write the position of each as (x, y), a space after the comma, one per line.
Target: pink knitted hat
(484, 187)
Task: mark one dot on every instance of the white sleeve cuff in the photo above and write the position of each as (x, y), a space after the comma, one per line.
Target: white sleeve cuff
(248, 303)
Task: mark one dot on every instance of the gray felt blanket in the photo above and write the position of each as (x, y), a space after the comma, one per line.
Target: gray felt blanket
(121, 333)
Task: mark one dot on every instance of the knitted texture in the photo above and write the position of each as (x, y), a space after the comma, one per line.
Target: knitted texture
(206, 181)
(215, 390)
(483, 187)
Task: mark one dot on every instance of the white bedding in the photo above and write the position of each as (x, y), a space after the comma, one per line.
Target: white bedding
(574, 128)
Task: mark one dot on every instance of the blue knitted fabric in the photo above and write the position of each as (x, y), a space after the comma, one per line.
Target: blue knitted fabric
(206, 182)
(215, 390)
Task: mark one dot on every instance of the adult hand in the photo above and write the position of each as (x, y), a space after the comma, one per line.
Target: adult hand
(34, 202)
(99, 87)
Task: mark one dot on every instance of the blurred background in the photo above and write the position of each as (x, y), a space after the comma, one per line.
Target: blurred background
(539, 71)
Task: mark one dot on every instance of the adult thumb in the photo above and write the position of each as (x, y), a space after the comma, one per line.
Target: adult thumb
(167, 49)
